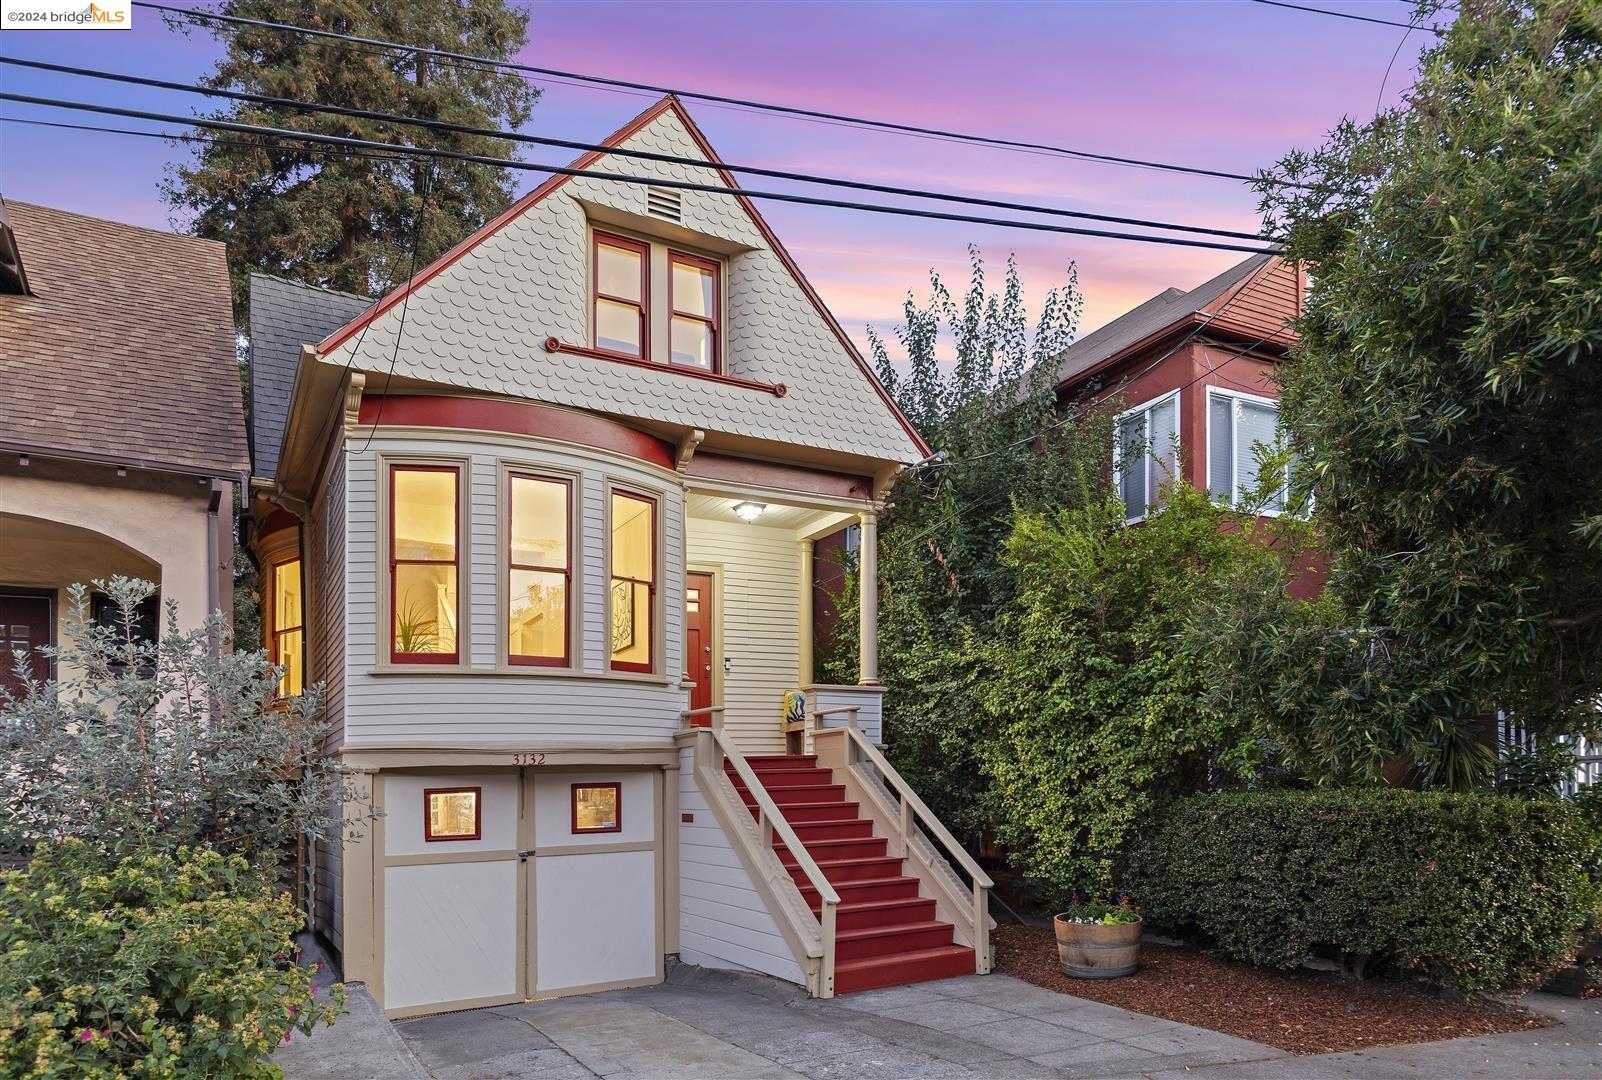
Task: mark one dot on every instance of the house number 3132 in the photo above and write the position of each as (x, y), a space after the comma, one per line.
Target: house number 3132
(528, 759)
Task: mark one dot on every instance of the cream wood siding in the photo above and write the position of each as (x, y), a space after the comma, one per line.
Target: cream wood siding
(868, 703)
(487, 703)
(760, 582)
(723, 921)
(323, 567)
(329, 915)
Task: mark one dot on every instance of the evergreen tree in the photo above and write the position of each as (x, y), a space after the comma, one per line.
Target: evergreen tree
(349, 221)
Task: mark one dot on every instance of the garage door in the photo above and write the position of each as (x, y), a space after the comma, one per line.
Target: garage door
(518, 883)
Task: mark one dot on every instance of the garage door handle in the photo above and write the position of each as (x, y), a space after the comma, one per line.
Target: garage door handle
(522, 856)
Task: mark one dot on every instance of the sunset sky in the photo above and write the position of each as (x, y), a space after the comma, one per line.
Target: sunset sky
(1224, 84)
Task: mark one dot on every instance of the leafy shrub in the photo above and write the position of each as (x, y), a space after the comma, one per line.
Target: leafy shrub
(161, 965)
(1474, 892)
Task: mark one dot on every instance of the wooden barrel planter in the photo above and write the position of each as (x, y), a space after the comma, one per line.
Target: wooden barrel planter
(1096, 951)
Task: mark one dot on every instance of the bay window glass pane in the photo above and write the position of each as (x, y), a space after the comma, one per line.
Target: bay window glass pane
(1258, 433)
(617, 327)
(286, 595)
(1131, 464)
(633, 537)
(1221, 447)
(539, 522)
(692, 343)
(617, 272)
(425, 609)
(631, 623)
(633, 573)
(693, 289)
(287, 655)
(425, 514)
(537, 614)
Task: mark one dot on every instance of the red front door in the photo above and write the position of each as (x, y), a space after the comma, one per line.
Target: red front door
(698, 638)
(25, 624)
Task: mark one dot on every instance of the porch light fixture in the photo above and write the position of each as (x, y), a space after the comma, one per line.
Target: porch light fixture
(749, 511)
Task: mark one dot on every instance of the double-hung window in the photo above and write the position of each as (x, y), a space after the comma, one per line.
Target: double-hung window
(288, 626)
(1146, 454)
(622, 285)
(632, 558)
(539, 570)
(693, 326)
(1240, 429)
(423, 564)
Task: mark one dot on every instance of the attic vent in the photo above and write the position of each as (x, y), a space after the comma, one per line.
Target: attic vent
(663, 203)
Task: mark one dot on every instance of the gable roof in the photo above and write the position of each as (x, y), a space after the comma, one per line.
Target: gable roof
(284, 317)
(123, 350)
(1166, 311)
(457, 311)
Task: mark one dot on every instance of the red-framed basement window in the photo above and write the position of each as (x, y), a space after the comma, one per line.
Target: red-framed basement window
(633, 559)
(539, 577)
(694, 300)
(424, 567)
(597, 808)
(621, 285)
(453, 814)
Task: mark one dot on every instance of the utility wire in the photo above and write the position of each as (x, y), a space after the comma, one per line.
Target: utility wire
(194, 16)
(1336, 14)
(672, 159)
(621, 178)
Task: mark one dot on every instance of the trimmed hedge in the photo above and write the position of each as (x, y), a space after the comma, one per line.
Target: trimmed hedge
(1473, 892)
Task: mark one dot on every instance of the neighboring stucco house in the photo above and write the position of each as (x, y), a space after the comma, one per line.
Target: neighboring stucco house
(122, 433)
(542, 521)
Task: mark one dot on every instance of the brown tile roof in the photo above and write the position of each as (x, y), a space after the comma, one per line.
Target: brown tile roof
(125, 350)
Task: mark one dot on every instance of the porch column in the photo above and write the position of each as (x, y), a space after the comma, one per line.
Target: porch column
(804, 617)
(868, 600)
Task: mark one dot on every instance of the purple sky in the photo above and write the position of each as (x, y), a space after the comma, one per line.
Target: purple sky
(1222, 84)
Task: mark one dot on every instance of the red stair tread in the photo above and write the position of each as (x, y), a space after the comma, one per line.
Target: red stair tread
(873, 972)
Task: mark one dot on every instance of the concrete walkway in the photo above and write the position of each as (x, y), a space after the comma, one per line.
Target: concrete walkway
(704, 1023)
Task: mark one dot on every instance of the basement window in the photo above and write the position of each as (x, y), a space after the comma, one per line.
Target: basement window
(597, 808)
(452, 814)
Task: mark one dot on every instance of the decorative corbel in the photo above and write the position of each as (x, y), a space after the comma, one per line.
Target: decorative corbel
(353, 400)
(883, 480)
(687, 446)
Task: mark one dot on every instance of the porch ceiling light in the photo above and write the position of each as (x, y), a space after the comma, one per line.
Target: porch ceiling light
(749, 511)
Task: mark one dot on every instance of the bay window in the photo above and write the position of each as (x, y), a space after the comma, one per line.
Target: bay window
(287, 622)
(1240, 428)
(423, 563)
(539, 570)
(632, 561)
(1146, 454)
(693, 326)
(621, 288)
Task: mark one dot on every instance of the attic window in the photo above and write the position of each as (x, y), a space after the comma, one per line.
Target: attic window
(664, 203)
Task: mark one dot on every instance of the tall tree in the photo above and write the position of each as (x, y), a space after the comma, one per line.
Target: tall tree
(1447, 397)
(349, 221)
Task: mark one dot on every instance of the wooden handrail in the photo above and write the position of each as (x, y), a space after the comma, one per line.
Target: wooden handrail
(714, 711)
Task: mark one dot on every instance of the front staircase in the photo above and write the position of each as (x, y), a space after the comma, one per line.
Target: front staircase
(886, 931)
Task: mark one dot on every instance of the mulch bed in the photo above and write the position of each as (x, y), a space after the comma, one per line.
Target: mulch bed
(1301, 1012)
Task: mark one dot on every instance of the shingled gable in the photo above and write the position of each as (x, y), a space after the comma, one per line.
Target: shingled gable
(478, 316)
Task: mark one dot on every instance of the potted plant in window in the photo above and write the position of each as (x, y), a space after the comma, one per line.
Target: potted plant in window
(1099, 939)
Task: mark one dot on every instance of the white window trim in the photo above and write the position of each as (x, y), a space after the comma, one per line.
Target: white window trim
(1236, 397)
(1118, 443)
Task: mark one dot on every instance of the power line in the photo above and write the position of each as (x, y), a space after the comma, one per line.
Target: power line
(622, 178)
(786, 110)
(1347, 15)
(673, 159)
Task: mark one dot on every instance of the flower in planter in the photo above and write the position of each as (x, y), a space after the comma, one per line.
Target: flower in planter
(1102, 912)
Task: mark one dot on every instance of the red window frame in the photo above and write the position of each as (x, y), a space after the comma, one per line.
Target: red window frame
(713, 323)
(478, 813)
(454, 656)
(612, 578)
(278, 629)
(617, 793)
(566, 571)
(596, 295)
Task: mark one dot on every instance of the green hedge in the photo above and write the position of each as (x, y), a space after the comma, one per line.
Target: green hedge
(1473, 892)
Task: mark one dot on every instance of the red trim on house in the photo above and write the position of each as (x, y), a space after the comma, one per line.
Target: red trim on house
(713, 323)
(617, 794)
(455, 655)
(478, 813)
(345, 332)
(643, 305)
(767, 474)
(651, 584)
(516, 418)
(555, 345)
(275, 519)
(566, 570)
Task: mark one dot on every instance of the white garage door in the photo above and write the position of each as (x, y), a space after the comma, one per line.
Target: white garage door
(518, 883)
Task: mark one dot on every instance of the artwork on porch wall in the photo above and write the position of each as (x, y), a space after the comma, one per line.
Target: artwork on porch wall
(622, 615)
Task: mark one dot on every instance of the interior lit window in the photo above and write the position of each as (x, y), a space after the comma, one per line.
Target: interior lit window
(452, 813)
(633, 580)
(620, 292)
(597, 808)
(540, 569)
(423, 564)
(693, 331)
(287, 621)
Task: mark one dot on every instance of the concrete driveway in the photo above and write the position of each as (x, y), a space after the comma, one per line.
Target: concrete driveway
(714, 1024)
